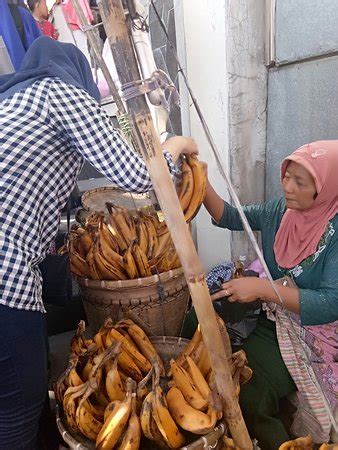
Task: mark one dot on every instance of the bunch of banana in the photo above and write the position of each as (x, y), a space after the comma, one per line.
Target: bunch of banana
(128, 247)
(156, 421)
(105, 392)
(121, 428)
(193, 186)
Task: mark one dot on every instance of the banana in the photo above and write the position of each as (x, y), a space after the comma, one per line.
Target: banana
(305, 443)
(188, 418)
(87, 423)
(70, 403)
(107, 240)
(73, 378)
(93, 269)
(148, 423)
(129, 367)
(143, 343)
(123, 221)
(141, 261)
(142, 390)
(142, 363)
(108, 270)
(163, 243)
(95, 409)
(132, 436)
(114, 384)
(164, 421)
(185, 384)
(192, 345)
(115, 422)
(121, 242)
(203, 363)
(78, 264)
(187, 186)
(142, 235)
(200, 183)
(85, 240)
(152, 237)
(129, 263)
(198, 378)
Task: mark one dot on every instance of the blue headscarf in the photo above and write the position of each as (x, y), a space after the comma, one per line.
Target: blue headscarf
(15, 46)
(48, 58)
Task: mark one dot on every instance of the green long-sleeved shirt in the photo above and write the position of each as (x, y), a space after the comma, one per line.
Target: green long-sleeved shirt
(316, 276)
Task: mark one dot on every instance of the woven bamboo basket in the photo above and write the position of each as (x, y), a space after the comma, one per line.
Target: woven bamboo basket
(167, 347)
(159, 301)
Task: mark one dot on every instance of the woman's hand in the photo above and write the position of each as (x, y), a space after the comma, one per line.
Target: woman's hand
(242, 290)
(177, 145)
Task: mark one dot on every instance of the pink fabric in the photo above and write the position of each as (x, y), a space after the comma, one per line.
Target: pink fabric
(70, 14)
(300, 231)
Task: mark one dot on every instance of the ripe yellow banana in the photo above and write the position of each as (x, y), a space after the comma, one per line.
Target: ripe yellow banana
(115, 423)
(141, 261)
(192, 345)
(164, 421)
(305, 443)
(129, 263)
(200, 184)
(78, 264)
(85, 239)
(128, 366)
(107, 269)
(198, 378)
(142, 363)
(203, 363)
(70, 403)
(121, 242)
(187, 186)
(148, 424)
(123, 221)
(142, 235)
(107, 240)
(185, 384)
(152, 237)
(188, 418)
(87, 423)
(145, 346)
(74, 378)
(132, 436)
(94, 272)
(114, 384)
(142, 391)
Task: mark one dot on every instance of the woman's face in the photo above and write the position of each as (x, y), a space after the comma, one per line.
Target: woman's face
(299, 187)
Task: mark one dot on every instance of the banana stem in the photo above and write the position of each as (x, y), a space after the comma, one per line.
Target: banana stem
(115, 25)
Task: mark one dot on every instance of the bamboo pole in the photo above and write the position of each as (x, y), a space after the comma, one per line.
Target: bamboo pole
(117, 32)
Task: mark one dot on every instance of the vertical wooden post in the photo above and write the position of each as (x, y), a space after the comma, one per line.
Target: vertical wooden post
(117, 32)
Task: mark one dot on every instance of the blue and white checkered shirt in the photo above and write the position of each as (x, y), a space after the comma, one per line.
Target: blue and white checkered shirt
(46, 132)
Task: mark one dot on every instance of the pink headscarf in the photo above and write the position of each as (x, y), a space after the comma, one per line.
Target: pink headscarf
(300, 231)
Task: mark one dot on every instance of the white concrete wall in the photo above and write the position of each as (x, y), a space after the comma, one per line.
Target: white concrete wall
(224, 59)
(205, 58)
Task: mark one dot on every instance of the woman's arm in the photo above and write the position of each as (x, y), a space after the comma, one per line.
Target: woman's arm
(213, 203)
(89, 131)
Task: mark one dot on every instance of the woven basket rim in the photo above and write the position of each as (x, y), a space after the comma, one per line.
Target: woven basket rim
(137, 282)
(86, 195)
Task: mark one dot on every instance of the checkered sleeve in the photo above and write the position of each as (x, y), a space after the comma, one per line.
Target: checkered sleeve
(89, 131)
